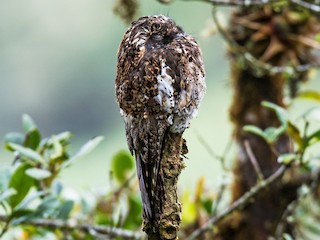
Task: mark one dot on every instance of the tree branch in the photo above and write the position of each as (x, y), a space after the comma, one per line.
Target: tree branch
(253, 160)
(240, 203)
(246, 3)
(237, 2)
(307, 5)
(168, 223)
(87, 228)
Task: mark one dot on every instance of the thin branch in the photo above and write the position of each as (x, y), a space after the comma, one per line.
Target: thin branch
(87, 228)
(236, 3)
(246, 3)
(125, 184)
(219, 197)
(221, 158)
(307, 5)
(253, 160)
(240, 203)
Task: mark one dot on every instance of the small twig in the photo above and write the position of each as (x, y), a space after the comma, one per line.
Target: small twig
(219, 197)
(307, 5)
(125, 184)
(237, 3)
(240, 203)
(87, 228)
(247, 3)
(253, 160)
(208, 148)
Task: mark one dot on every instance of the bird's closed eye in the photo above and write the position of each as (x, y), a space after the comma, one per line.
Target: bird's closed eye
(157, 37)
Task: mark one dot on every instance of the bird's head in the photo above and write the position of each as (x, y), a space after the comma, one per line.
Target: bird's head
(155, 31)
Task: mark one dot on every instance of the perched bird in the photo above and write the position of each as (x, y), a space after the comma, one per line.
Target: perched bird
(159, 85)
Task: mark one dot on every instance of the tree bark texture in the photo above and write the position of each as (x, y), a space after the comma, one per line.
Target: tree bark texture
(266, 34)
(259, 219)
(168, 225)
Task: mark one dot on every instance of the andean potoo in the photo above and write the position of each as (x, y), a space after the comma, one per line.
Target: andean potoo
(159, 85)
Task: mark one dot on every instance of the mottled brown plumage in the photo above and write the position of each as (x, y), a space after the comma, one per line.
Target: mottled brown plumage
(159, 85)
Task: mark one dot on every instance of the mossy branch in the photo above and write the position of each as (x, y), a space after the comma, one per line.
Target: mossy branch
(168, 224)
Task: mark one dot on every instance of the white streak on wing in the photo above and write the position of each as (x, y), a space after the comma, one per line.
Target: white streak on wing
(188, 104)
(126, 117)
(165, 89)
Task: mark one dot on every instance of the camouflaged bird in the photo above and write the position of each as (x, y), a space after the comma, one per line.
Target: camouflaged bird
(159, 85)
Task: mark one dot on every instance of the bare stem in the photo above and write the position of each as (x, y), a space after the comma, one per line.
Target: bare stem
(246, 3)
(237, 2)
(87, 228)
(253, 160)
(307, 5)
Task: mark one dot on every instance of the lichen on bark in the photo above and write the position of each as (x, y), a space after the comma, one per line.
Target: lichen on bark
(168, 224)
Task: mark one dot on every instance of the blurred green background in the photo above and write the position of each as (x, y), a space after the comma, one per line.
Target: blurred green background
(58, 64)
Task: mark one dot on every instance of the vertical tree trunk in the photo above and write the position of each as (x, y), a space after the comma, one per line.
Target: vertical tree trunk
(259, 219)
(169, 207)
(271, 36)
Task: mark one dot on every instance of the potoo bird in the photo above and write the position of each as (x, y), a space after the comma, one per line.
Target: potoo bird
(159, 85)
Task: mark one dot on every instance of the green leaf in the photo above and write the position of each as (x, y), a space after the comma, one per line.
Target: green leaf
(65, 210)
(272, 133)
(30, 198)
(317, 37)
(13, 137)
(57, 187)
(27, 123)
(38, 173)
(48, 207)
(27, 153)
(85, 149)
(5, 175)
(287, 158)
(62, 138)
(294, 133)
(255, 130)
(89, 146)
(7, 193)
(287, 236)
(190, 211)
(21, 216)
(122, 164)
(133, 219)
(21, 183)
(207, 205)
(310, 95)
(33, 137)
(282, 113)
(312, 226)
(314, 137)
(57, 149)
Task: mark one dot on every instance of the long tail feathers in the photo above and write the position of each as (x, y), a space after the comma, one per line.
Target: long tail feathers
(148, 152)
(146, 201)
